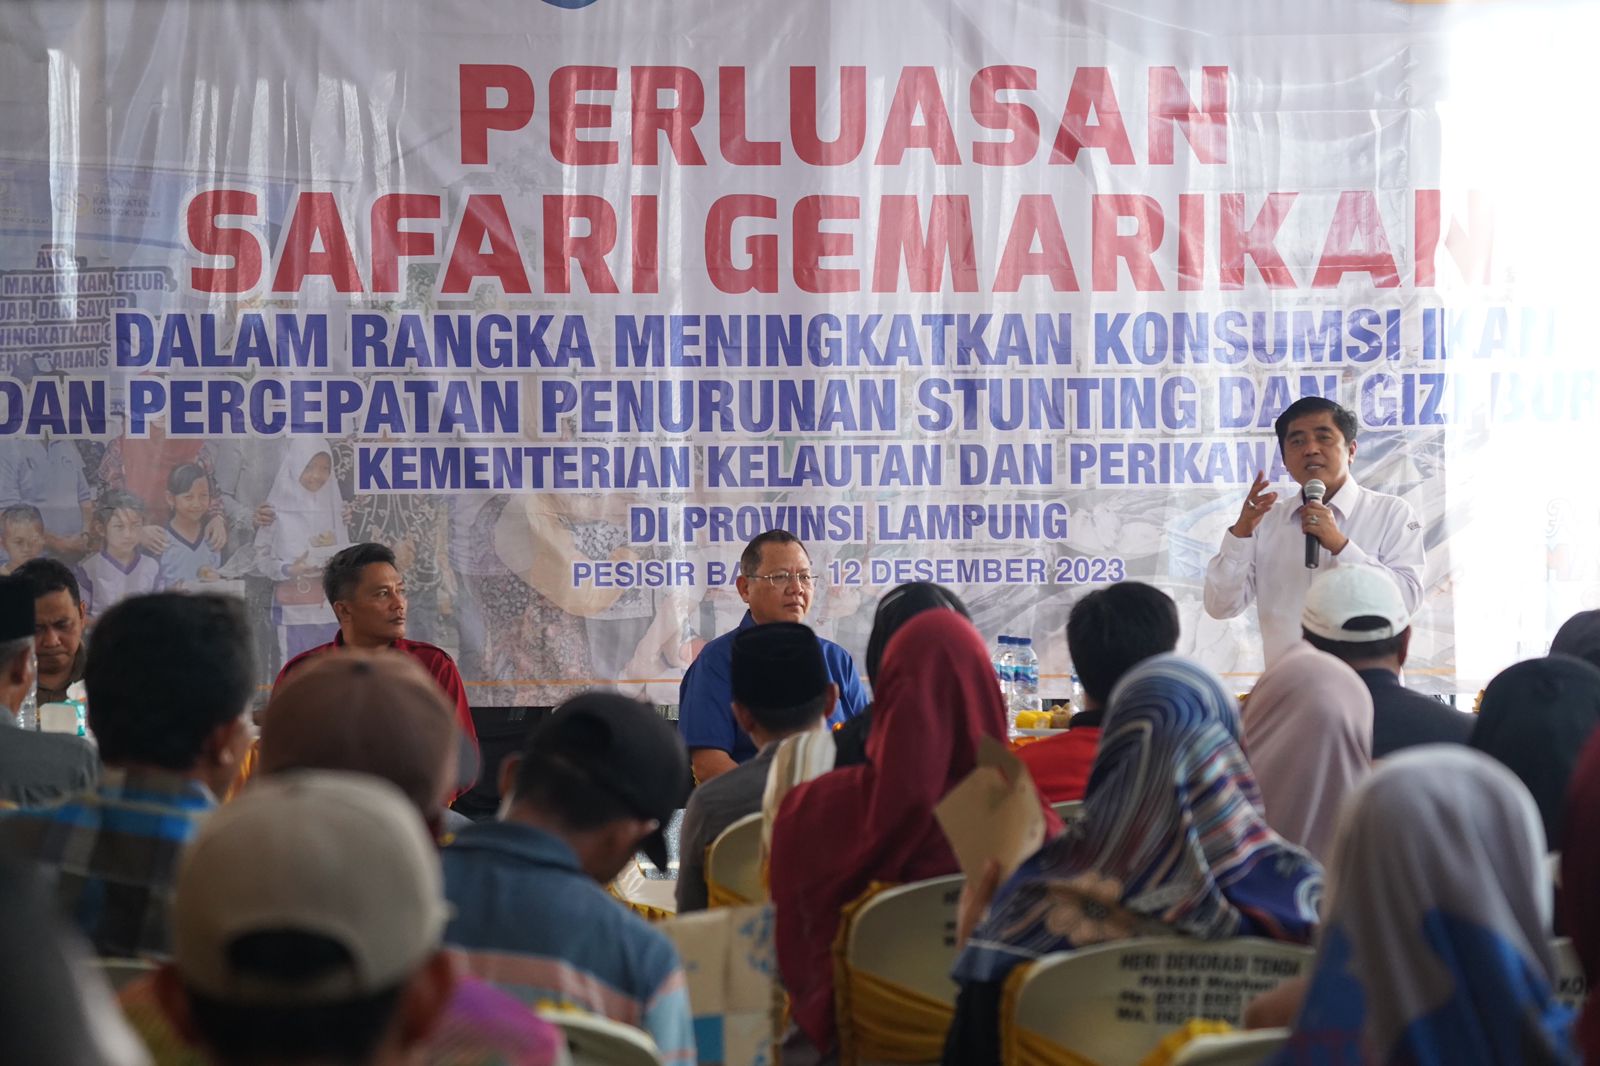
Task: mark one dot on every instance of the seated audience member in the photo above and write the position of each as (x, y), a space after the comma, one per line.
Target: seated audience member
(168, 677)
(1308, 731)
(1579, 637)
(57, 1007)
(58, 619)
(1535, 718)
(1578, 901)
(368, 596)
(1356, 613)
(370, 712)
(1171, 843)
(188, 557)
(307, 928)
(780, 689)
(808, 755)
(836, 835)
(597, 782)
(1109, 632)
(897, 607)
(775, 581)
(21, 535)
(35, 768)
(379, 714)
(1436, 945)
(120, 568)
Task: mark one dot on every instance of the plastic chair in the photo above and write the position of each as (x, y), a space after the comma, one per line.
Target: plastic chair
(596, 1041)
(896, 997)
(733, 864)
(1231, 1049)
(652, 899)
(1068, 812)
(1114, 1003)
(1572, 987)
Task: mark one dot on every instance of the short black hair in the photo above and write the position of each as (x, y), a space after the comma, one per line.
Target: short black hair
(1343, 417)
(344, 1031)
(113, 500)
(555, 786)
(1112, 630)
(790, 719)
(45, 576)
(1354, 651)
(343, 572)
(164, 671)
(182, 478)
(750, 558)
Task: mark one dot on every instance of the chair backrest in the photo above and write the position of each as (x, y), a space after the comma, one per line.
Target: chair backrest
(908, 935)
(896, 999)
(1572, 987)
(122, 972)
(733, 862)
(1068, 812)
(1231, 1049)
(1115, 1002)
(596, 1041)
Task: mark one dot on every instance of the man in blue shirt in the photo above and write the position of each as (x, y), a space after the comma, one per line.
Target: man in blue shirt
(598, 782)
(775, 582)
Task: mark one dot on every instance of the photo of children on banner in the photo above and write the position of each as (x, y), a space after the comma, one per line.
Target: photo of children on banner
(120, 568)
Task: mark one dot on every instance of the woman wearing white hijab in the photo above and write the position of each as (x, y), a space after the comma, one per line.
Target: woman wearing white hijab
(1308, 736)
(307, 529)
(1435, 947)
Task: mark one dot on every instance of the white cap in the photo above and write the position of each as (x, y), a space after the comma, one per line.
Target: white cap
(1343, 593)
(337, 855)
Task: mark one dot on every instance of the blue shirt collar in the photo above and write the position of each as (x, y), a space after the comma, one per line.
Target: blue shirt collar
(519, 841)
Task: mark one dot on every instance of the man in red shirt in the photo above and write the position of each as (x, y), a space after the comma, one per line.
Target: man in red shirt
(1109, 632)
(368, 595)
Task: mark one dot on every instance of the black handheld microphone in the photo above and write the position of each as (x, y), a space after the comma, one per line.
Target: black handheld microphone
(1315, 490)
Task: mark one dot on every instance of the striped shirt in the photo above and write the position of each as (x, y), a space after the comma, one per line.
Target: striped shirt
(531, 921)
(113, 854)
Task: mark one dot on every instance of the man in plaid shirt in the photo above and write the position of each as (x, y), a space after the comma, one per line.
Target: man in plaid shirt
(168, 676)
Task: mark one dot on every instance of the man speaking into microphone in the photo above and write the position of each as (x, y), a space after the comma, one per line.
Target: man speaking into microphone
(1271, 553)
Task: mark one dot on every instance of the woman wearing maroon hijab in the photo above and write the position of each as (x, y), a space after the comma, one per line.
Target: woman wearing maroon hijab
(836, 835)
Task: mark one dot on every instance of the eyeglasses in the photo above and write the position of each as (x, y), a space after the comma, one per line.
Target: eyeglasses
(805, 578)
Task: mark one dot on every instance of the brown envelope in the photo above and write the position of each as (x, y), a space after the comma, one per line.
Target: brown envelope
(994, 813)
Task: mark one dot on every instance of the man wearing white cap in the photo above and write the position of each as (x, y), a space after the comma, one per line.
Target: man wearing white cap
(1357, 614)
(307, 927)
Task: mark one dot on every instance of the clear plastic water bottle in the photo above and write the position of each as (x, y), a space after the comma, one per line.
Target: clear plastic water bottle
(1000, 656)
(28, 713)
(1025, 675)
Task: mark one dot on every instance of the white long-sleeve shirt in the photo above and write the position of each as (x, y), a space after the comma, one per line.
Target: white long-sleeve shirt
(1269, 567)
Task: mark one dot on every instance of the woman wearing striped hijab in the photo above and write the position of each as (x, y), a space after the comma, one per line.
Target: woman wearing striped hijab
(1172, 841)
(1436, 946)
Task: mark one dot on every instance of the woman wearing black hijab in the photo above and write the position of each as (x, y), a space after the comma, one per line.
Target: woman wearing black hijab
(898, 606)
(1535, 718)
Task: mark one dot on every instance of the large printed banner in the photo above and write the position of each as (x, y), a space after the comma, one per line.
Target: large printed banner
(565, 301)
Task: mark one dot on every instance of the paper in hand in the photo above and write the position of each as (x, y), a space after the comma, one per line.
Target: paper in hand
(994, 813)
